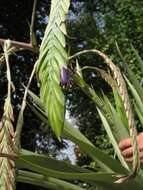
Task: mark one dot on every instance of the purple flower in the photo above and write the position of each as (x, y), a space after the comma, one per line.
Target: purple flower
(64, 77)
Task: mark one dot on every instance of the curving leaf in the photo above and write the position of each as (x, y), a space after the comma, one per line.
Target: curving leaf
(44, 160)
(52, 60)
(112, 138)
(105, 180)
(137, 56)
(46, 182)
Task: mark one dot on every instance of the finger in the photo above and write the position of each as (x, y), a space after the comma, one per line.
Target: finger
(128, 152)
(141, 161)
(125, 144)
(129, 160)
(141, 155)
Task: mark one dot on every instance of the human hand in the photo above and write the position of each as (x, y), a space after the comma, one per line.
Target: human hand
(127, 150)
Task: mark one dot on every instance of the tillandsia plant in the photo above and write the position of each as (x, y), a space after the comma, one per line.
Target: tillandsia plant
(121, 87)
(17, 164)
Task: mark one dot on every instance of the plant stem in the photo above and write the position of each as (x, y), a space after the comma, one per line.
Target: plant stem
(8, 69)
(20, 116)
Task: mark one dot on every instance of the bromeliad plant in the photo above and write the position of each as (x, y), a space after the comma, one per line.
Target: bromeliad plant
(52, 73)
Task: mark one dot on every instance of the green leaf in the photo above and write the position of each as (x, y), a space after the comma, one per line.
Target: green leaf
(45, 160)
(132, 77)
(120, 108)
(73, 134)
(104, 161)
(112, 139)
(105, 180)
(139, 113)
(139, 59)
(43, 181)
(53, 168)
(78, 69)
(136, 96)
(117, 122)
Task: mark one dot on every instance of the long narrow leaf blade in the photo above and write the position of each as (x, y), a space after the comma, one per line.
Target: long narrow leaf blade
(112, 139)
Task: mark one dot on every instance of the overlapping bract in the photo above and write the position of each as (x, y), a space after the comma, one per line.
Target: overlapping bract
(52, 59)
(7, 178)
